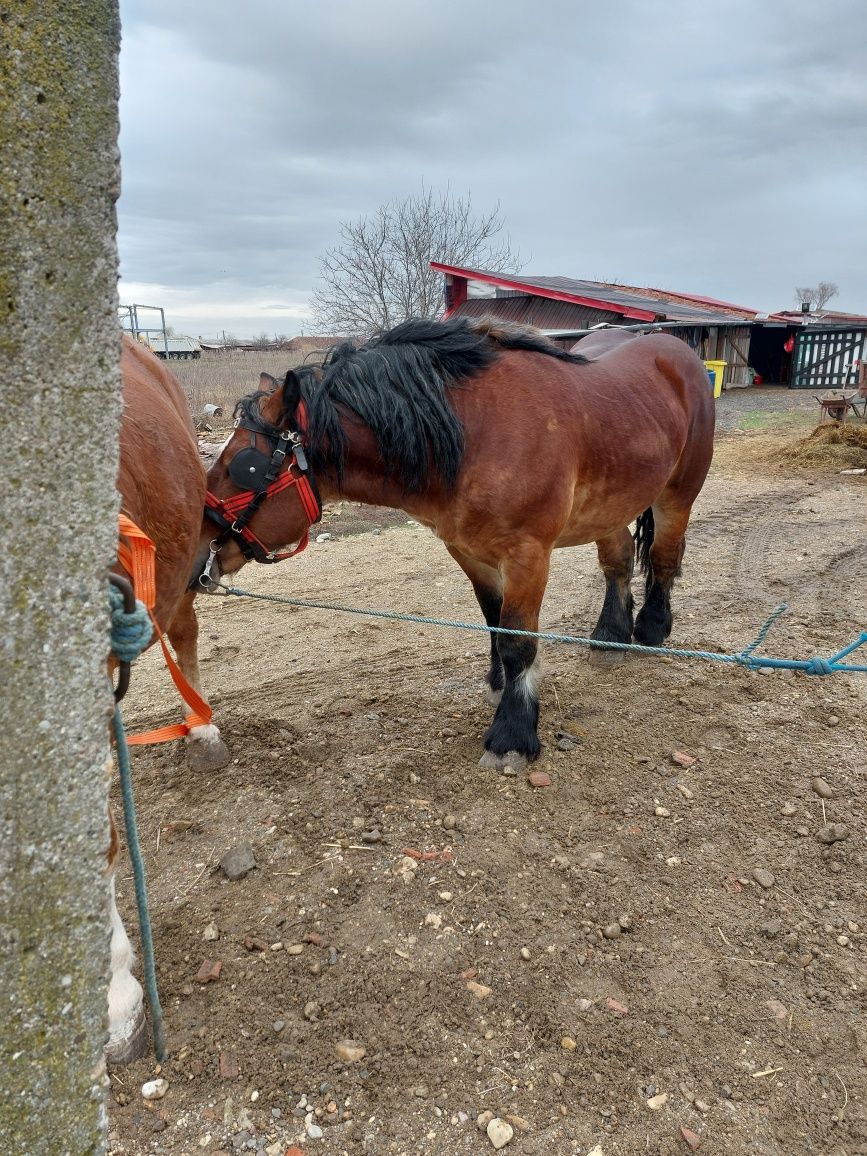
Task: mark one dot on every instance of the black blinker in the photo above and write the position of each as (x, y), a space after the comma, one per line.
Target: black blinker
(248, 469)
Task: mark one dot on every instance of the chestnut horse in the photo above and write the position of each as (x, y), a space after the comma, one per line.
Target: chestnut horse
(162, 485)
(506, 446)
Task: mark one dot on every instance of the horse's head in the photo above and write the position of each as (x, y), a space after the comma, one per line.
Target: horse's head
(261, 495)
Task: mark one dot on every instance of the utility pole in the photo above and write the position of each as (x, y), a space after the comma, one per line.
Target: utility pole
(60, 400)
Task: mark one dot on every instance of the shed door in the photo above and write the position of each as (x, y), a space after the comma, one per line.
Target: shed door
(826, 359)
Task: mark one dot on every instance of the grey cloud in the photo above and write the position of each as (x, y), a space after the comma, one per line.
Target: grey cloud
(719, 149)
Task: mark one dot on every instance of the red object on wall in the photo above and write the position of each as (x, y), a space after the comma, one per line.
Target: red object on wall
(789, 343)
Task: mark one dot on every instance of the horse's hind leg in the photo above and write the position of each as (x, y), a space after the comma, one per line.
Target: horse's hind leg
(616, 560)
(488, 587)
(661, 543)
(511, 739)
(206, 751)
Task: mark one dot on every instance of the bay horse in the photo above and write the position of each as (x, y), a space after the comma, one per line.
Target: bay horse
(507, 447)
(161, 480)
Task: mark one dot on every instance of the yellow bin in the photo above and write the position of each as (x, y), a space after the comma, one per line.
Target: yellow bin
(718, 369)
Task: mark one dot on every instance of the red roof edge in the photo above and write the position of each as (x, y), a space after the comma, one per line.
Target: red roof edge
(538, 291)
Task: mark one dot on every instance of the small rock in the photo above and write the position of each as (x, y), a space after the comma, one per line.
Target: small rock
(445, 896)
(823, 790)
(702, 1106)
(278, 1026)
(211, 932)
(617, 1008)
(326, 537)
(565, 744)
(843, 940)
(525, 953)
(406, 867)
(832, 833)
(788, 809)
(535, 779)
(450, 822)
(682, 759)
(500, 1132)
(350, 1051)
(777, 1009)
(658, 1101)
(596, 1150)
(374, 835)
(662, 812)
(612, 931)
(311, 1010)
(420, 1091)
(294, 948)
(584, 1005)
(154, 1089)
(772, 928)
(479, 990)
(209, 972)
(568, 1044)
(254, 943)
(238, 862)
(313, 1130)
(764, 878)
(685, 791)
(693, 1140)
(518, 1122)
(229, 1068)
(483, 1119)
(433, 919)
(833, 720)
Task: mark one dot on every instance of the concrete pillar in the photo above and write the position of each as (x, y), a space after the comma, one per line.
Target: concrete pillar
(59, 413)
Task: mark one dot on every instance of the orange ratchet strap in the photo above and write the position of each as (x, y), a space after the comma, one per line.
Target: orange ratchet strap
(137, 555)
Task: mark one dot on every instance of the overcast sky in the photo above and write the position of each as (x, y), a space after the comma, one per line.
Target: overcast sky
(714, 148)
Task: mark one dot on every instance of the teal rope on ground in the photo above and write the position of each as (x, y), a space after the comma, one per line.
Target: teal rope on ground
(130, 634)
(744, 657)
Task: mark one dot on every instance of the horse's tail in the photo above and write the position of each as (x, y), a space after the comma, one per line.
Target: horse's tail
(643, 541)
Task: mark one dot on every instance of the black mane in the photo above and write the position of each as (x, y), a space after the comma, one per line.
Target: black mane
(397, 384)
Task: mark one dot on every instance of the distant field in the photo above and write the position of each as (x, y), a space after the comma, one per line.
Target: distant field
(221, 378)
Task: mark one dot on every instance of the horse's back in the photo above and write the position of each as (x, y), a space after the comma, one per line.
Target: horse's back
(161, 477)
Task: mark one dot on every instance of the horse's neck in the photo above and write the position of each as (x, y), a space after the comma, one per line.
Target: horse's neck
(363, 477)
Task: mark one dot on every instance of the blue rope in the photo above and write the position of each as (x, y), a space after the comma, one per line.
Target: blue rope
(130, 635)
(130, 632)
(743, 657)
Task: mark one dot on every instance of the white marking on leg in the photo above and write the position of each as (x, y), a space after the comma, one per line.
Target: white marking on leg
(204, 734)
(527, 682)
(125, 997)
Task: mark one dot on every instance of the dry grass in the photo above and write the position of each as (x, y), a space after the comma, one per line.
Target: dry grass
(832, 445)
(221, 378)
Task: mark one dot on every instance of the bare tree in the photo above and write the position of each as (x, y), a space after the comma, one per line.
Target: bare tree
(379, 273)
(819, 296)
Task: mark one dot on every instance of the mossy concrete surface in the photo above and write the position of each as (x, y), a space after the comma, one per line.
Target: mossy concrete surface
(59, 414)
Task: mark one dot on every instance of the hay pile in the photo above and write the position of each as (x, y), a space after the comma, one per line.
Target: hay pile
(831, 445)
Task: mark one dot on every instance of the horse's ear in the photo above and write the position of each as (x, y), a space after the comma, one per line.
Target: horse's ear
(267, 383)
(291, 394)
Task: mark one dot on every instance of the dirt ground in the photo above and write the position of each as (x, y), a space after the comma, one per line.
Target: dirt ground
(663, 956)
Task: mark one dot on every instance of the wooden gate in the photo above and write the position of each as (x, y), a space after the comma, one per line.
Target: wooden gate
(827, 358)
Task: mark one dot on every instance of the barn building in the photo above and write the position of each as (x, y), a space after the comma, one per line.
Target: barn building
(800, 349)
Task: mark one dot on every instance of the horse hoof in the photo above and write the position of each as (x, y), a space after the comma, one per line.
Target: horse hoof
(129, 1044)
(603, 658)
(492, 762)
(204, 755)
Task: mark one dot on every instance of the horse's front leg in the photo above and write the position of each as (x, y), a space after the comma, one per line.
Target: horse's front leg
(206, 751)
(511, 739)
(488, 587)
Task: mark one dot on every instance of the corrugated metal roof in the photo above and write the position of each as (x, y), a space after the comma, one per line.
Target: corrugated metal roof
(626, 300)
(539, 311)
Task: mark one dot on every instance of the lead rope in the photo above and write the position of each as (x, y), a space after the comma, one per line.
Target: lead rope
(131, 633)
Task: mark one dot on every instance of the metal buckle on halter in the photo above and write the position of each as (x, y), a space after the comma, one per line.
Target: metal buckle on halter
(205, 578)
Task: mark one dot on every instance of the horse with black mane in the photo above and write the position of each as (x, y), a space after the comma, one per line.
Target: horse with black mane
(507, 447)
